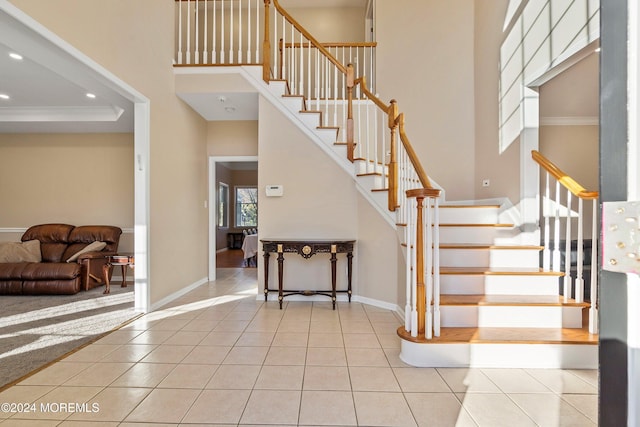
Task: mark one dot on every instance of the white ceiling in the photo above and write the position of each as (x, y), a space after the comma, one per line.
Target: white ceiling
(48, 88)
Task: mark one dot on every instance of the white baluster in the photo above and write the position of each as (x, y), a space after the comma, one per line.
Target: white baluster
(222, 33)
(317, 79)
(556, 231)
(197, 34)
(409, 290)
(567, 252)
(231, 25)
(428, 254)
(258, 31)
(546, 254)
(593, 297)
(292, 62)
(301, 66)
(579, 279)
(205, 52)
(436, 267)
(249, 31)
(214, 53)
(188, 31)
(180, 32)
(309, 91)
(367, 130)
(414, 284)
(239, 31)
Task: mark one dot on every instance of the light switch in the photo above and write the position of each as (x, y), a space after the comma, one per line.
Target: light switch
(621, 237)
(274, 190)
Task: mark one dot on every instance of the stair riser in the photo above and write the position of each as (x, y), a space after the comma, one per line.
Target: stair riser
(277, 88)
(486, 235)
(310, 120)
(363, 166)
(488, 215)
(371, 181)
(489, 258)
(462, 355)
(294, 104)
(499, 285)
(511, 316)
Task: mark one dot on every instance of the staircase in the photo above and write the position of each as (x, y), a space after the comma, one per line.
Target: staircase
(485, 301)
(498, 308)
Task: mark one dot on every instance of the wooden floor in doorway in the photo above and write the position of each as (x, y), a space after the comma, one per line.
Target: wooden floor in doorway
(231, 258)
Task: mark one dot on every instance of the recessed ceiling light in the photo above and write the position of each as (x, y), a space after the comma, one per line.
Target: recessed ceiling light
(91, 95)
(15, 56)
(229, 109)
(4, 96)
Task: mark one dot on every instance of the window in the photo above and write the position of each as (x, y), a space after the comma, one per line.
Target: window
(246, 206)
(223, 205)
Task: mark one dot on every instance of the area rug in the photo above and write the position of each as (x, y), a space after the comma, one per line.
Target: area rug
(37, 330)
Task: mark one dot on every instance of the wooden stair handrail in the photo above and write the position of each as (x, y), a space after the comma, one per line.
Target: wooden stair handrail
(309, 37)
(564, 179)
(333, 44)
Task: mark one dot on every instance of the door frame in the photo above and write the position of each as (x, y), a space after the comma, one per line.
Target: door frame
(212, 203)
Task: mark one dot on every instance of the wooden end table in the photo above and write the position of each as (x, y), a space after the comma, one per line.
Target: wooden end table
(124, 261)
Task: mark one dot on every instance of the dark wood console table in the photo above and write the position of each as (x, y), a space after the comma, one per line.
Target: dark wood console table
(306, 249)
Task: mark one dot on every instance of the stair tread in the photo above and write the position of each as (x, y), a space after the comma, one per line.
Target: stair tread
(510, 300)
(476, 225)
(508, 336)
(498, 271)
(488, 246)
(469, 206)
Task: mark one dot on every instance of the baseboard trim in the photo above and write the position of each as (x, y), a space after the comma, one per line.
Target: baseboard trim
(172, 297)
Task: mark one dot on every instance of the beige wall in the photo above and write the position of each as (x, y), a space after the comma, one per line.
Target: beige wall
(331, 24)
(502, 169)
(127, 38)
(232, 138)
(574, 149)
(77, 179)
(425, 60)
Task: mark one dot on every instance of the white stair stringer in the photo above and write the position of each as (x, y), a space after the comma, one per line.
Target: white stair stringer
(325, 138)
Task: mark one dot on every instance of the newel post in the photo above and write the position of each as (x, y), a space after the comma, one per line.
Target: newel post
(350, 85)
(266, 46)
(393, 165)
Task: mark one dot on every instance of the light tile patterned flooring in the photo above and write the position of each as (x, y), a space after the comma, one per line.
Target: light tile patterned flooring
(219, 356)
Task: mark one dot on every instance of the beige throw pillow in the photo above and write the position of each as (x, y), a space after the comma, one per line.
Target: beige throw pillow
(28, 251)
(91, 247)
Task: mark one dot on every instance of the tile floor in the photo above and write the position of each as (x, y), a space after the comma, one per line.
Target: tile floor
(219, 357)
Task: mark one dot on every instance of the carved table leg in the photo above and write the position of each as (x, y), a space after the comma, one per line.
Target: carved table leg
(266, 275)
(280, 275)
(349, 272)
(334, 260)
(105, 272)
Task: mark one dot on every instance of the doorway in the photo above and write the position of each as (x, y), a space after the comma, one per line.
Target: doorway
(224, 227)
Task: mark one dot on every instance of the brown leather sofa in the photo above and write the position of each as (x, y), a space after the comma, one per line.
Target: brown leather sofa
(54, 275)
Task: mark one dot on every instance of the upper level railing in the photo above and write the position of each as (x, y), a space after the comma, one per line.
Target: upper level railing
(332, 79)
(559, 212)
